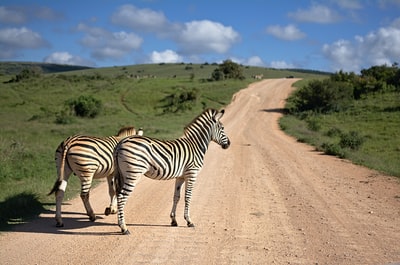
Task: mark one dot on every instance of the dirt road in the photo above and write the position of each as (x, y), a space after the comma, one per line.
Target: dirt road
(266, 200)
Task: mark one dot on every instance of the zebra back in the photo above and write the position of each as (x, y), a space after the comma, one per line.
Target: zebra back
(84, 152)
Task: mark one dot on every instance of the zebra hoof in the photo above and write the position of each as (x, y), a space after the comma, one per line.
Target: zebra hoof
(174, 223)
(107, 211)
(190, 224)
(126, 232)
(92, 218)
(59, 224)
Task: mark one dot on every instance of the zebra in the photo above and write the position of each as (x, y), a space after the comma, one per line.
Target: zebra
(181, 159)
(87, 157)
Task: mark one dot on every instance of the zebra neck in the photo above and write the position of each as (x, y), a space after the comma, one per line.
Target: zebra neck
(199, 135)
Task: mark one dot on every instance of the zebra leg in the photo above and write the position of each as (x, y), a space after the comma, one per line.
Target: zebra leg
(86, 183)
(189, 184)
(177, 196)
(88, 207)
(122, 197)
(112, 209)
(59, 198)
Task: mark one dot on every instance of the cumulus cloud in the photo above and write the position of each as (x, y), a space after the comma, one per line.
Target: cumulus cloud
(13, 40)
(254, 61)
(18, 15)
(206, 36)
(108, 45)
(290, 32)
(139, 19)
(10, 16)
(349, 4)
(167, 56)
(281, 65)
(376, 48)
(67, 58)
(192, 38)
(315, 14)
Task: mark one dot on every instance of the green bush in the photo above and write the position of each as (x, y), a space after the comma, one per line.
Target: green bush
(227, 70)
(63, 118)
(333, 149)
(352, 140)
(85, 106)
(322, 97)
(333, 132)
(180, 100)
(313, 124)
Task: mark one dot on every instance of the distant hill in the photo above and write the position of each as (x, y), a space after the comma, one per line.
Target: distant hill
(161, 70)
(11, 68)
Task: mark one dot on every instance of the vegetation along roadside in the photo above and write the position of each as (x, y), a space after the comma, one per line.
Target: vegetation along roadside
(351, 116)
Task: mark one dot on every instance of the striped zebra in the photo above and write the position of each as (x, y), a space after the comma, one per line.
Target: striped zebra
(87, 157)
(181, 159)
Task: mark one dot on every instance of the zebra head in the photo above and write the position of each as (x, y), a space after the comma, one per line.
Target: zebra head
(218, 134)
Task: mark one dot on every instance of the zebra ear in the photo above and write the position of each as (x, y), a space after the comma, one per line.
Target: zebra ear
(219, 115)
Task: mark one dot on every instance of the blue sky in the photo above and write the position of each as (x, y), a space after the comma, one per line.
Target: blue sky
(329, 35)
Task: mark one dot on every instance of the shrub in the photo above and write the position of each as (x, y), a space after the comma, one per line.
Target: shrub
(333, 149)
(64, 118)
(180, 100)
(322, 97)
(85, 106)
(313, 124)
(352, 140)
(333, 132)
(228, 70)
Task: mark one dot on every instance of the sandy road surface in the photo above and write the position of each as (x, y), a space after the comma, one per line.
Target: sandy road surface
(265, 200)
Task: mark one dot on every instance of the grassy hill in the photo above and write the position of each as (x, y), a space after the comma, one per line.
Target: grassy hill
(36, 115)
(13, 68)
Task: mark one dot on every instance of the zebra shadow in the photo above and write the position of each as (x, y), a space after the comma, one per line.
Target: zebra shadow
(19, 208)
(76, 223)
(275, 110)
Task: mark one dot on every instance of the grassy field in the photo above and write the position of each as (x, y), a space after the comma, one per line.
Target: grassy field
(30, 111)
(373, 122)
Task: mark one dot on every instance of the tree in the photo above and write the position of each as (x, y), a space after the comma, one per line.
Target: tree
(322, 96)
(227, 70)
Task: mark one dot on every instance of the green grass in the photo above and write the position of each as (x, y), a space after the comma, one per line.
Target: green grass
(375, 119)
(29, 134)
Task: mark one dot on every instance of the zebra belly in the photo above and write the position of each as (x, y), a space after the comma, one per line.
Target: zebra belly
(160, 173)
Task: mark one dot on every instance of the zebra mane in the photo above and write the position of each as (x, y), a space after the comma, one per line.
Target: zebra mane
(126, 131)
(208, 113)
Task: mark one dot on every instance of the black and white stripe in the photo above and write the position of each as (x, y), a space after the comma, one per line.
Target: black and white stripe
(181, 159)
(88, 157)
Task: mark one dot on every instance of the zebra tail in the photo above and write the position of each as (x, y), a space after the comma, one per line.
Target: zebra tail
(60, 177)
(118, 181)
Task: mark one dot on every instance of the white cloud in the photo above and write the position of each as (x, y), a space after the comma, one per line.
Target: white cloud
(290, 32)
(254, 61)
(13, 40)
(10, 16)
(66, 58)
(388, 3)
(342, 55)
(349, 4)
(167, 56)
(281, 65)
(192, 38)
(139, 19)
(376, 48)
(316, 14)
(21, 38)
(206, 36)
(109, 45)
